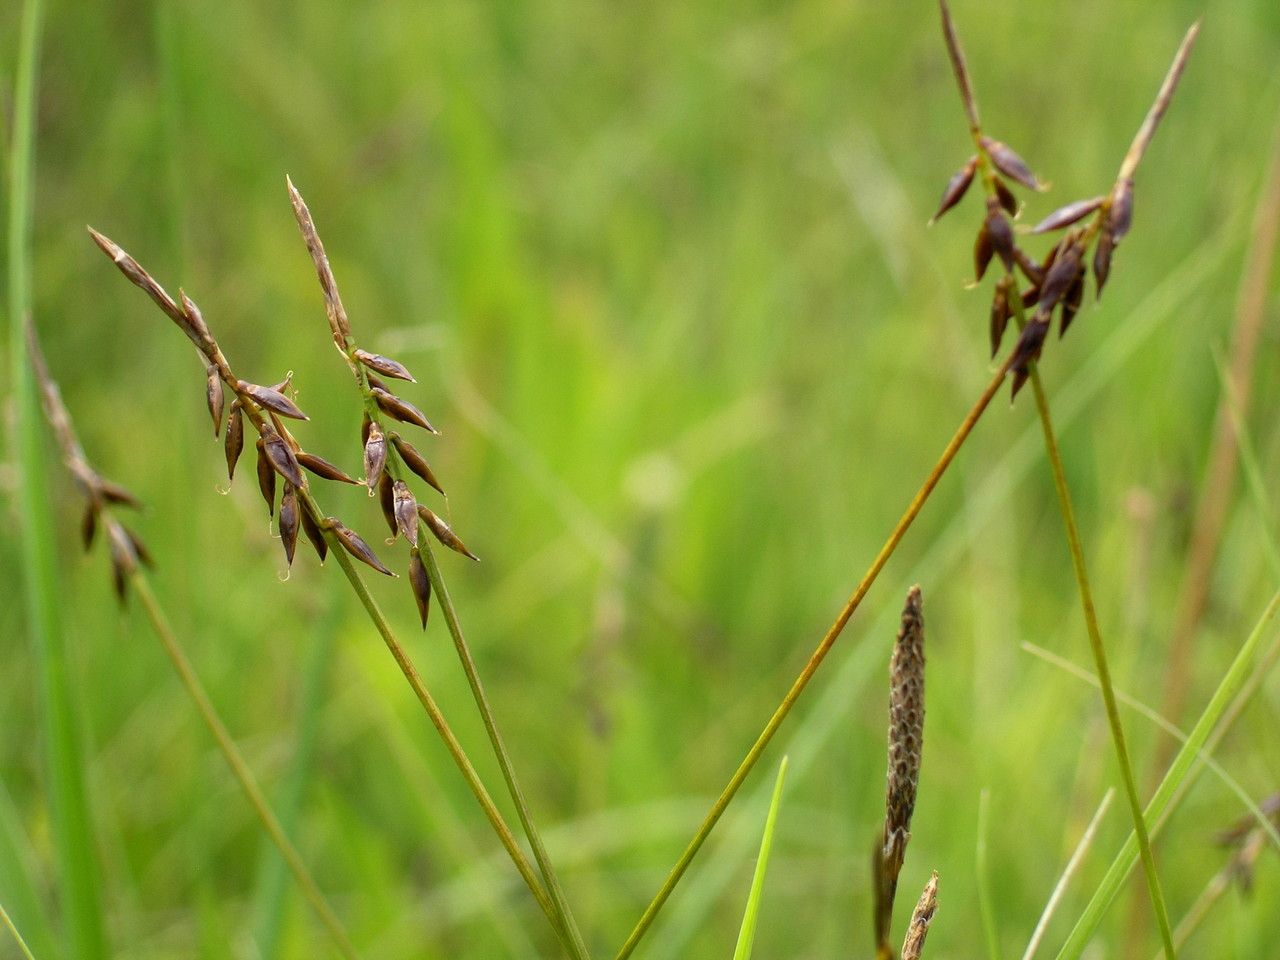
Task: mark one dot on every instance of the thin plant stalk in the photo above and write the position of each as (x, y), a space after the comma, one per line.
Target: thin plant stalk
(986, 908)
(71, 819)
(248, 783)
(1225, 704)
(560, 903)
(815, 660)
(8, 924)
(1100, 663)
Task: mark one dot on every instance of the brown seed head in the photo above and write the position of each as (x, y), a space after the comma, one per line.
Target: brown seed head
(906, 730)
(921, 918)
(315, 535)
(282, 458)
(214, 397)
(271, 399)
(323, 468)
(375, 456)
(442, 532)
(354, 545)
(289, 521)
(406, 511)
(266, 477)
(421, 585)
(336, 313)
(1010, 164)
(384, 365)
(400, 409)
(415, 461)
(387, 501)
(956, 188)
(233, 442)
(1065, 216)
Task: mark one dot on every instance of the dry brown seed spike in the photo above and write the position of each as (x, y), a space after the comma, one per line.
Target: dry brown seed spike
(906, 729)
(323, 468)
(214, 396)
(960, 67)
(921, 918)
(444, 533)
(315, 535)
(387, 501)
(334, 310)
(271, 399)
(1007, 200)
(1000, 312)
(266, 478)
(289, 521)
(402, 410)
(1065, 216)
(195, 318)
(1008, 162)
(282, 457)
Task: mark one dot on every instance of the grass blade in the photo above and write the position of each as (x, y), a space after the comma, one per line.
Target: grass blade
(8, 923)
(986, 909)
(74, 850)
(1178, 773)
(747, 934)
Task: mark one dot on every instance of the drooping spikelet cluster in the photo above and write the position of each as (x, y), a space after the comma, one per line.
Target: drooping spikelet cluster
(387, 455)
(101, 495)
(1056, 281)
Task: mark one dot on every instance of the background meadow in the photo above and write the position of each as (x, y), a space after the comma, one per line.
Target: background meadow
(663, 274)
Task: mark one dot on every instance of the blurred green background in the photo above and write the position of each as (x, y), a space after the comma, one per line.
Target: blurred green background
(663, 274)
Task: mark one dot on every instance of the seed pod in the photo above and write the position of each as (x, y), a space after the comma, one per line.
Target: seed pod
(421, 585)
(1066, 216)
(406, 511)
(1006, 197)
(282, 458)
(266, 478)
(982, 252)
(387, 500)
(1030, 269)
(401, 410)
(1010, 164)
(233, 442)
(384, 365)
(272, 400)
(1060, 276)
(289, 521)
(124, 559)
(415, 461)
(1071, 304)
(1102, 259)
(213, 395)
(444, 533)
(1121, 216)
(323, 468)
(355, 546)
(957, 187)
(921, 917)
(89, 524)
(315, 535)
(1028, 349)
(1000, 232)
(139, 547)
(375, 456)
(1000, 312)
(194, 317)
(114, 493)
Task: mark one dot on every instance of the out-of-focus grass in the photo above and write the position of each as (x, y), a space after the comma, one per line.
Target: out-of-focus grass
(663, 276)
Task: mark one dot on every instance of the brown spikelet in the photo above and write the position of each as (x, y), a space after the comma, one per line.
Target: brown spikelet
(214, 397)
(266, 478)
(921, 918)
(401, 409)
(1102, 252)
(956, 188)
(959, 66)
(1007, 200)
(1010, 164)
(1000, 233)
(139, 547)
(983, 250)
(1027, 351)
(336, 313)
(124, 557)
(355, 545)
(1067, 215)
(323, 468)
(387, 501)
(282, 457)
(89, 524)
(421, 585)
(384, 365)
(315, 535)
(375, 455)
(116, 494)
(289, 521)
(1000, 312)
(271, 399)
(444, 533)
(405, 507)
(415, 461)
(233, 442)
(366, 424)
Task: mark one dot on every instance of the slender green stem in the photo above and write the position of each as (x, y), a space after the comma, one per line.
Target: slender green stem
(248, 783)
(8, 925)
(428, 702)
(1100, 661)
(815, 660)
(986, 908)
(75, 852)
(577, 947)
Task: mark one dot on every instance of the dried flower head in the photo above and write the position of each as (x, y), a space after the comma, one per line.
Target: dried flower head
(921, 918)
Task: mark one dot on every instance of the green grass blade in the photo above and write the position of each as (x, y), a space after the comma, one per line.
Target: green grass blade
(747, 934)
(270, 897)
(22, 944)
(18, 885)
(69, 811)
(986, 909)
(1178, 773)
